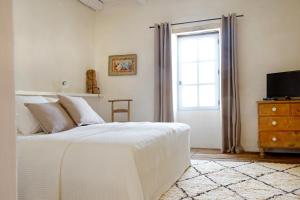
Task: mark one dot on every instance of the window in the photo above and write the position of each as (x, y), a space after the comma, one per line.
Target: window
(198, 71)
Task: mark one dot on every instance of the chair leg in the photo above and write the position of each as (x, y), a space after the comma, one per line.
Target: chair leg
(112, 112)
(128, 111)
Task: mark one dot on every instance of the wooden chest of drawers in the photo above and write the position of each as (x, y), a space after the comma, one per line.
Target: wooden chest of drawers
(279, 125)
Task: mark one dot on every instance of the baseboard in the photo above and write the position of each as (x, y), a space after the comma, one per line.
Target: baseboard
(251, 149)
(216, 149)
(246, 149)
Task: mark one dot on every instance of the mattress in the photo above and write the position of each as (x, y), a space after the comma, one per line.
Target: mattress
(114, 161)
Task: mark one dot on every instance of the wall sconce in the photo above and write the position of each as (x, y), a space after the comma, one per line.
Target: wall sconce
(64, 85)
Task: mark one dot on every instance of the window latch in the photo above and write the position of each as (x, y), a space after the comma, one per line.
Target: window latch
(179, 82)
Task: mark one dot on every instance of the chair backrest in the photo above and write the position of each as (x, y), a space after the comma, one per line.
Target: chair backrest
(113, 110)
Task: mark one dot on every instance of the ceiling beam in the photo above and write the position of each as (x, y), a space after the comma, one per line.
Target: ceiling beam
(93, 4)
(142, 1)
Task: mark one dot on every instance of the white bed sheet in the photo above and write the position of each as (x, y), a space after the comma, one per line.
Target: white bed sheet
(116, 161)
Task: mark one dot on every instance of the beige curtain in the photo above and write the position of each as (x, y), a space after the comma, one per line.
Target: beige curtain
(163, 74)
(231, 122)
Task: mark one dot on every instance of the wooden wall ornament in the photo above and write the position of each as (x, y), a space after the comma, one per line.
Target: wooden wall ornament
(91, 82)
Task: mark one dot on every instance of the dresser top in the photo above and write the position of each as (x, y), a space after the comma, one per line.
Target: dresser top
(278, 102)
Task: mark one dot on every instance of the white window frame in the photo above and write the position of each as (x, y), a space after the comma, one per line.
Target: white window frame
(217, 74)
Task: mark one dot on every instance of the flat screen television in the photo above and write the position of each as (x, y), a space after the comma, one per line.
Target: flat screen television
(283, 85)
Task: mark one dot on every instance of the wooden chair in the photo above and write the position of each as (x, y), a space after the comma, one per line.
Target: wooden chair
(113, 110)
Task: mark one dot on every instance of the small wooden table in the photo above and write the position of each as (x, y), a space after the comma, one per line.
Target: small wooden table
(113, 110)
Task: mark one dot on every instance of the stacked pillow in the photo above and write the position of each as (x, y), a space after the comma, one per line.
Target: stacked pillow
(26, 123)
(80, 111)
(51, 115)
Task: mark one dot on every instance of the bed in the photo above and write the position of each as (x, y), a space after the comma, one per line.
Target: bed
(112, 161)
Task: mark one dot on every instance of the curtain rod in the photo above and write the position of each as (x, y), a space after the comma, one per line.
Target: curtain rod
(202, 20)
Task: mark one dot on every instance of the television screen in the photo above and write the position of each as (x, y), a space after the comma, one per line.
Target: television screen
(284, 84)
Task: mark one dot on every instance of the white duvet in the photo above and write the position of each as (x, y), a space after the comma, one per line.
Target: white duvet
(117, 161)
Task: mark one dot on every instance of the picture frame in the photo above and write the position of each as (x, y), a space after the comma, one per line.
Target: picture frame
(122, 65)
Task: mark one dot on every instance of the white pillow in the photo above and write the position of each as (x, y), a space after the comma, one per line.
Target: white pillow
(25, 121)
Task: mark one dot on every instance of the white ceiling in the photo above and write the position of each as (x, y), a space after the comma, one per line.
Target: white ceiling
(138, 1)
(98, 4)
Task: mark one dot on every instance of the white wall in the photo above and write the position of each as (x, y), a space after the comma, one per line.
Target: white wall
(268, 41)
(205, 127)
(7, 133)
(54, 41)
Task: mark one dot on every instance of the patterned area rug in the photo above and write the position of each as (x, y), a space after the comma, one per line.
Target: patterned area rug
(237, 180)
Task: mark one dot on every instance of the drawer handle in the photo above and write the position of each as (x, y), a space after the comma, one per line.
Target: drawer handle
(274, 123)
(274, 109)
(274, 139)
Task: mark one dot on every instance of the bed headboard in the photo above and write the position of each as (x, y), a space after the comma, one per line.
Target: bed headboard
(36, 93)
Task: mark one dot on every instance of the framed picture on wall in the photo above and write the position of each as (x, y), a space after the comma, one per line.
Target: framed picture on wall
(120, 65)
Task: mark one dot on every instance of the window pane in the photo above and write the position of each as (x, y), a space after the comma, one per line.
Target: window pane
(198, 57)
(207, 48)
(207, 95)
(189, 73)
(189, 96)
(188, 50)
(207, 72)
